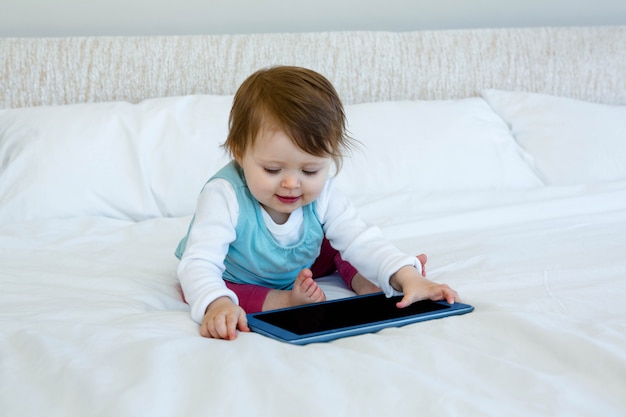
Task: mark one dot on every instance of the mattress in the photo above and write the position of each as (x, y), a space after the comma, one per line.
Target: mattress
(93, 321)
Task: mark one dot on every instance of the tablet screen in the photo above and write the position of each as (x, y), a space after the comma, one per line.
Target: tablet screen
(348, 312)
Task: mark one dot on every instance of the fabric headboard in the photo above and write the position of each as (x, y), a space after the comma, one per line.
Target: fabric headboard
(583, 62)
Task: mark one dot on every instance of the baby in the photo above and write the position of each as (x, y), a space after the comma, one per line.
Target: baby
(263, 219)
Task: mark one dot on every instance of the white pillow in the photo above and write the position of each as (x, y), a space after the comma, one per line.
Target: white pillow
(432, 145)
(571, 141)
(121, 160)
(137, 161)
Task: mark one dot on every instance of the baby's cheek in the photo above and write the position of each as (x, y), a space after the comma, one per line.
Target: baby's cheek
(313, 193)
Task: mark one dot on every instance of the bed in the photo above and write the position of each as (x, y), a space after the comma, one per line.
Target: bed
(500, 153)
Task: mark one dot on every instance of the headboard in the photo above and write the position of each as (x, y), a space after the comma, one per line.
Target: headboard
(580, 62)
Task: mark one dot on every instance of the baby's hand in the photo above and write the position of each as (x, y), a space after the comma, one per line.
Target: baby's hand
(415, 287)
(222, 319)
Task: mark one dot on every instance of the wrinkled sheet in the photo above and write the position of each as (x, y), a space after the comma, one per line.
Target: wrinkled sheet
(92, 322)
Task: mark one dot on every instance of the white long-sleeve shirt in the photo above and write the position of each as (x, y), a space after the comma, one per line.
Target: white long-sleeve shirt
(202, 264)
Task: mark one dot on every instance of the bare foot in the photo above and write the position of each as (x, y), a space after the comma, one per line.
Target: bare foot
(305, 291)
(423, 259)
(362, 285)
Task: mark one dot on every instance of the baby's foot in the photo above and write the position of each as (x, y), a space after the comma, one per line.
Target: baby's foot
(362, 285)
(423, 259)
(305, 290)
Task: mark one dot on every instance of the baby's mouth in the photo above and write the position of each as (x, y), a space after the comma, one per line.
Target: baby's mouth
(287, 199)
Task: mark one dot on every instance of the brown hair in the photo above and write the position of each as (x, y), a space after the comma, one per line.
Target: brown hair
(301, 102)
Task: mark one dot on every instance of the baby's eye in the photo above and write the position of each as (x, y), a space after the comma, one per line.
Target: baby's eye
(309, 173)
(272, 171)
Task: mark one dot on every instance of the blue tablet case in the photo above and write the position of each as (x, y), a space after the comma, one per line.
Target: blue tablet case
(329, 320)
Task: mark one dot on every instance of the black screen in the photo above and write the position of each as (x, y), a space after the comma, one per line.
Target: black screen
(347, 312)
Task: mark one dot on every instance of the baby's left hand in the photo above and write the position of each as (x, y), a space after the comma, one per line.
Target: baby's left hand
(415, 287)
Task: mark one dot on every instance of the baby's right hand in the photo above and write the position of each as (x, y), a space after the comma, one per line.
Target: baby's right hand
(222, 319)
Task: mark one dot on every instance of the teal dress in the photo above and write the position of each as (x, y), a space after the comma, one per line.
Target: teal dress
(255, 257)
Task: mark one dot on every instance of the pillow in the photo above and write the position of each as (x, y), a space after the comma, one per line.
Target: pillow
(432, 145)
(137, 161)
(120, 160)
(571, 141)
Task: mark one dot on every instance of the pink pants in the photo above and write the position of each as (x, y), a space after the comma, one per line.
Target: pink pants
(251, 297)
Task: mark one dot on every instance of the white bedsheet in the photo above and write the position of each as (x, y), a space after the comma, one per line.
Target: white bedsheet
(92, 322)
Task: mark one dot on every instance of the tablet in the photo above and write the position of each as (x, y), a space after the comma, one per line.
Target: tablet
(329, 320)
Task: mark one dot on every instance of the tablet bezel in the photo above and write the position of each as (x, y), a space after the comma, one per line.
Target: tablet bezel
(260, 326)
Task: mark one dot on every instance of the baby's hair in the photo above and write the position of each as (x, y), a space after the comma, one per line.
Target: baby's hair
(299, 101)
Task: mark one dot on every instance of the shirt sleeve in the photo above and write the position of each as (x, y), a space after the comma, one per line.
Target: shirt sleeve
(201, 267)
(359, 243)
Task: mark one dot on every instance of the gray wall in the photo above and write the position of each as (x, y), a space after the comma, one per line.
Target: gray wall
(171, 17)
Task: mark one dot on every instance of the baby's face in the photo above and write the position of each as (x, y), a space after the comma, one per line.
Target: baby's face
(281, 176)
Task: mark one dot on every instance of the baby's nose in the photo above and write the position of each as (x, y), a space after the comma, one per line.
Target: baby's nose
(290, 181)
